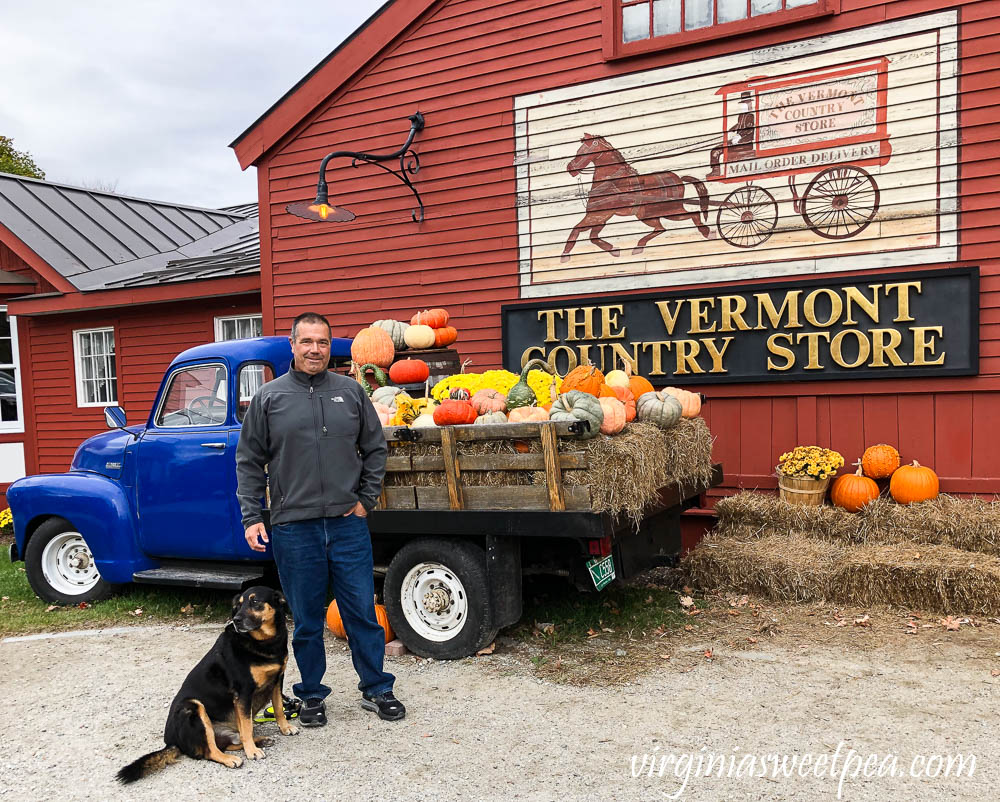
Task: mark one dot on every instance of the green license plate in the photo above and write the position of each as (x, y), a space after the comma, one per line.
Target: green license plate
(602, 571)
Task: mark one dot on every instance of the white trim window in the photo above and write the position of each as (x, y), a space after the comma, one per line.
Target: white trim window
(11, 404)
(96, 372)
(238, 327)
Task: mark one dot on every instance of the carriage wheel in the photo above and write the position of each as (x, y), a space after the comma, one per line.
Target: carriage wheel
(747, 216)
(840, 202)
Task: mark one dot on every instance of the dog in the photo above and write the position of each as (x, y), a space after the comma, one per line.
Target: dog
(212, 714)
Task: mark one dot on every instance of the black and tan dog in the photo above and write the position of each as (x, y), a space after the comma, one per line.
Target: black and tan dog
(212, 714)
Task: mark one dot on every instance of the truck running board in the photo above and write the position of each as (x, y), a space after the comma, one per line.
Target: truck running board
(195, 575)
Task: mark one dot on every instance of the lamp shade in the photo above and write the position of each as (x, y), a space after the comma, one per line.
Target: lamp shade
(321, 212)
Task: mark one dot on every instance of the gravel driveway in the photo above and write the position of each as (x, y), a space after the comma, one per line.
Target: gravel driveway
(81, 707)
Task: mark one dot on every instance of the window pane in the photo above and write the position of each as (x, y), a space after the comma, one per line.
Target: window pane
(195, 397)
(257, 327)
(6, 353)
(732, 10)
(764, 6)
(797, 3)
(8, 409)
(7, 382)
(4, 325)
(666, 17)
(697, 14)
(635, 22)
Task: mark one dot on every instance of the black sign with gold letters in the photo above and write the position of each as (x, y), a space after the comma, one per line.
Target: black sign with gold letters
(885, 326)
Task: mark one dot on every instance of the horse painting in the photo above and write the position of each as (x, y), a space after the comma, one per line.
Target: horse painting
(618, 189)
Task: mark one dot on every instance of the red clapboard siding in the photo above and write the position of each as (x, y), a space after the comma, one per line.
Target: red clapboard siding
(461, 64)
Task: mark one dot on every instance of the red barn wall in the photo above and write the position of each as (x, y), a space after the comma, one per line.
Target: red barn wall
(461, 65)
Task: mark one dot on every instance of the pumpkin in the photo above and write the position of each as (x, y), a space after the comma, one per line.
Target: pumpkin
(489, 400)
(373, 345)
(492, 417)
(606, 391)
(445, 336)
(660, 409)
(616, 378)
(423, 421)
(395, 329)
(379, 377)
(577, 405)
(585, 378)
(521, 395)
(853, 490)
(690, 402)
(384, 413)
(451, 413)
(880, 461)
(639, 386)
(614, 415)
(406, 411)
(385, 395)
(419, 337)
(913, 483)
(409, 371)
(624, 394)
(527, 415)
(435, 318)
(460, 394)
(336, 624)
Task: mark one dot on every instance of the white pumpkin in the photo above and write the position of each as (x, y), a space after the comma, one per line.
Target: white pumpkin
(616, 378)
(423, 421)
(419, 336)
(386, 395)
(395, 329)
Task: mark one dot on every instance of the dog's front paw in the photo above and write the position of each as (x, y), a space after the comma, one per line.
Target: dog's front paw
(289, 729)
(253, 753)
(231, 761)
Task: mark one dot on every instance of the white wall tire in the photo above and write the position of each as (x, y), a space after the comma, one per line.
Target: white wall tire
(60, 566)
(437, 597)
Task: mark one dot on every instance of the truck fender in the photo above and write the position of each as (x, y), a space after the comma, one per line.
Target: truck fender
(503, 568)
(98, 509)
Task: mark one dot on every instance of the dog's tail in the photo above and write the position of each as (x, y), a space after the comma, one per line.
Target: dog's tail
(147, 764)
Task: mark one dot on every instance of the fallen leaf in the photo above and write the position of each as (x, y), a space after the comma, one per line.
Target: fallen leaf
(83, 605)
(592, 634)
(686, 601)
(752, 640)
(864, 621)
(695, 611)
(51, 607)
(995, 672)
(688, 628)
(4, 598)
(687, 590)
(187, 609)
(136, 612)
(605, 629)
(733, 612)
(649, 600)
(841, 623)
(664, 656)
(708, 653)
(951, 624)
(487, 650)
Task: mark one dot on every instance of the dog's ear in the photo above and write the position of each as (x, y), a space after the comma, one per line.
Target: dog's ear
(282, 603)
(237, 602)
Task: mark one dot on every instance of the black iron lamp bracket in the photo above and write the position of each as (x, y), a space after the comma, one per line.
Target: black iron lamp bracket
(409, 164)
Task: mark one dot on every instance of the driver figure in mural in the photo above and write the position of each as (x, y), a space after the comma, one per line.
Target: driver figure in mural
(741, 136)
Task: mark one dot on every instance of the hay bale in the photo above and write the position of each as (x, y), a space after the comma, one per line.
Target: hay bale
(919, 575)
(780, 567)
(624, 471)
(752, 514)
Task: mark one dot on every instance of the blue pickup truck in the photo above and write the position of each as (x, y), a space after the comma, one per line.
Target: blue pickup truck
(156, 503)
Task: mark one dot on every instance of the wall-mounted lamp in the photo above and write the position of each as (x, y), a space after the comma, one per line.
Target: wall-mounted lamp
(409, 164)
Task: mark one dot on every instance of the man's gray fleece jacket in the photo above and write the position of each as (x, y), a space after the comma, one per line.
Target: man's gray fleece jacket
(322, 443)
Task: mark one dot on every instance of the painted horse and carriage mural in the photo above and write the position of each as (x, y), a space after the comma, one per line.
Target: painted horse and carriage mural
(827, 123)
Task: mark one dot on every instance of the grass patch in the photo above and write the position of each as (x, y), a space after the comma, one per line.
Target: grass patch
(23, 613)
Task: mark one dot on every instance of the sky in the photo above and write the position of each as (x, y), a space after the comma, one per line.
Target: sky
(144, 97)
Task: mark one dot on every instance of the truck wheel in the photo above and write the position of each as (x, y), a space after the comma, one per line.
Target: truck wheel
(438, 598)
(60, 567)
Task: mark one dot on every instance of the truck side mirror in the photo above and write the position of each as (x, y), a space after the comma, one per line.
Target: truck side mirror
(114, 417)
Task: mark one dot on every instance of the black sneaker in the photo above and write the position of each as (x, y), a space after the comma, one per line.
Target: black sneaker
(388, 707)
(292, 707)
(313, 713)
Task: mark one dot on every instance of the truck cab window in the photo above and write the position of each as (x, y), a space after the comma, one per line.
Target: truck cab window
(195, 396)
(252, 378)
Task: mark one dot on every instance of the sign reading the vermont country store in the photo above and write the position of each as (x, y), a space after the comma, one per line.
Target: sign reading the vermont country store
(886, 326)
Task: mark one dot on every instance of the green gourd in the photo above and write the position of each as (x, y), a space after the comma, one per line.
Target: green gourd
(380, 377)
(577, 405)
(521, 395)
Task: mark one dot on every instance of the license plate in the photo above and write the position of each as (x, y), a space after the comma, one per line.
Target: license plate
(602, 571)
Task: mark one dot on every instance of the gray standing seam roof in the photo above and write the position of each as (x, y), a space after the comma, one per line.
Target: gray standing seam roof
(99, 240)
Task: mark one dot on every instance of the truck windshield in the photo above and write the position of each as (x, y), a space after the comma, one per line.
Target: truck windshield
(195, 396)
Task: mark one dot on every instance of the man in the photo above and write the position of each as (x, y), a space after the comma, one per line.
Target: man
(741, 136)
(321, 441)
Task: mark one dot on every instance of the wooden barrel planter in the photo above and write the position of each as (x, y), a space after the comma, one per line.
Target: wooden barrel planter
(803, 492)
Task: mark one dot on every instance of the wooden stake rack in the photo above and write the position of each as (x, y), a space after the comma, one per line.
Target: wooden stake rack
(454, 494)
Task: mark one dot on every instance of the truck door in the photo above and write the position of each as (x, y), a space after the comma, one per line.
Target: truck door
(186, 473)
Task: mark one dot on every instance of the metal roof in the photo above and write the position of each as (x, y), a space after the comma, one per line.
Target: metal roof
(98, 240)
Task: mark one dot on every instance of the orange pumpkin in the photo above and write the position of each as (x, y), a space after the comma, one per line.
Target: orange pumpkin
(614, 415)
(527, 415)
(409, 371)
(639, 385)
(445, 336)
(880, 461)
(690, 402)
(435, 318)
(336, 625)
(489, 400)
(585, 378)
(373, 345)
(913, 483)
(606, 391)
(451, 412)
(624, 394)
(853, 490)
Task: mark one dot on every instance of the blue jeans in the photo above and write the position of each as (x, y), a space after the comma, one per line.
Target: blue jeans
(309, 555)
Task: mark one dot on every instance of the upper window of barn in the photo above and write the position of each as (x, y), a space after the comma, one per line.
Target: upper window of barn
(639, 26)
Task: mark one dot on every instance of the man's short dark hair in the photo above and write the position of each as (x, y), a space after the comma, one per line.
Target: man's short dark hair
(310, 317)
